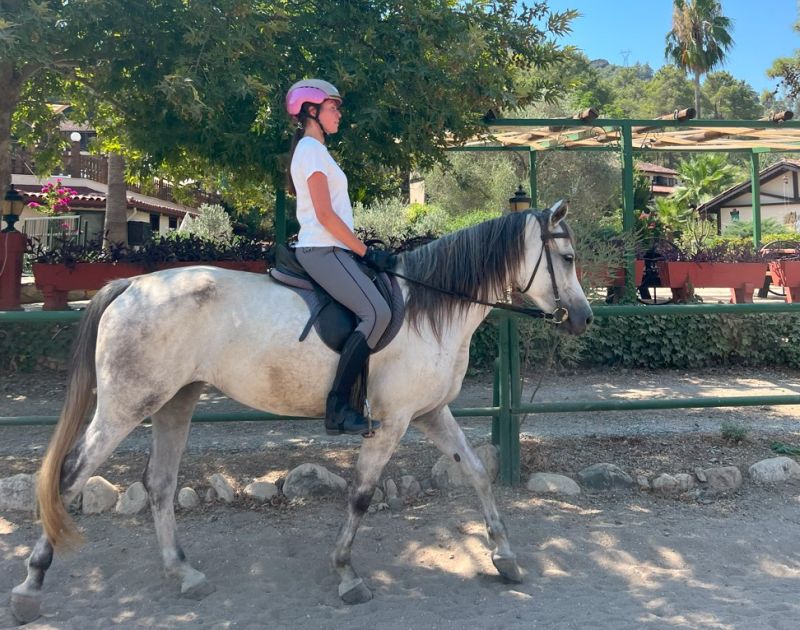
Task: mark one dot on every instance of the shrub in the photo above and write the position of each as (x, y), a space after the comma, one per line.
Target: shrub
(212, 224)
(172, 247)
(745, 228)
(733, 432)
(461, 221)
(677, 341)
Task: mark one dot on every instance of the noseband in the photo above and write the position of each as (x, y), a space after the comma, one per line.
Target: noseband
(560, 314)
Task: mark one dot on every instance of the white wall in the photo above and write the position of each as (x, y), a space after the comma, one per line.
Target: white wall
(775, 210)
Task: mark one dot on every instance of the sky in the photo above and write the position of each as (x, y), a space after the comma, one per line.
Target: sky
(635, 30)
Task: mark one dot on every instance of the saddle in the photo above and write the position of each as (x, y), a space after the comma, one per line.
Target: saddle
(333, 322)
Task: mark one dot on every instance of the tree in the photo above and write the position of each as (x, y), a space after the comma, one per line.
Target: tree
(198, 85)
(729, 98)
(703, 177)
(787, 69)
(667, 91)
(699, 39)
(115, 229)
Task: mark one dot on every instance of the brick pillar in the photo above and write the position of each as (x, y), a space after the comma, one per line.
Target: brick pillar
(12, 247)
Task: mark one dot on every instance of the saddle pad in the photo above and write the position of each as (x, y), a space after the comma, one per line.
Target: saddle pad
(328, 323)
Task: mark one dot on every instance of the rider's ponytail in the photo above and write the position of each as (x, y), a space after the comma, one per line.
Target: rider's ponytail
(302, 118)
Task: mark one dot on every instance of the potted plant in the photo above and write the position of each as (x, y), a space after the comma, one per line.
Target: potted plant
(734, 265)
(73, 266)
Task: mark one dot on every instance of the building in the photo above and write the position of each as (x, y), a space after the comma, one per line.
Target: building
(149, 212)
(779, 198)
(663, 180)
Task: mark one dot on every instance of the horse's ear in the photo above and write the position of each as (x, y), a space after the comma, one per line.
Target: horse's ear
(558, 212)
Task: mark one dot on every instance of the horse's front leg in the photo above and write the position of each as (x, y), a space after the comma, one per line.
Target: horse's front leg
(443, 430)
(372, 458)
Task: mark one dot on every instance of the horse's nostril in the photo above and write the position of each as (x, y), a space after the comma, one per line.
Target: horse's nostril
(589, 319)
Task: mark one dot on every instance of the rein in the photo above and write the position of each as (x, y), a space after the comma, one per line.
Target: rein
(558, 316)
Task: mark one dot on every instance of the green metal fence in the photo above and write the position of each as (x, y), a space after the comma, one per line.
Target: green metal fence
(507, 407)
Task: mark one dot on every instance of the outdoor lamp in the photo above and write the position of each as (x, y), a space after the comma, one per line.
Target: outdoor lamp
(13, 203)
(520, 201)
(75, 136)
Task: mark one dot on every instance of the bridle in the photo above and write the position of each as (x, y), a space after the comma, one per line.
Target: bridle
(560, 314)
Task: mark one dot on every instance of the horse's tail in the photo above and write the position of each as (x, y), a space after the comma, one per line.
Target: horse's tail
(80, 397)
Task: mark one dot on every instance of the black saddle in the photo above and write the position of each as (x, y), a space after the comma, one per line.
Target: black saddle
(333, 322)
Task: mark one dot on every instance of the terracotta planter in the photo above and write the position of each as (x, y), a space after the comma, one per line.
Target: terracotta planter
(786, 273)
(612, 276)
(55, 281)
(742, 278)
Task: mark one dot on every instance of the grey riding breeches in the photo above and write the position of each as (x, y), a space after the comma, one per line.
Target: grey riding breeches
(336, 271)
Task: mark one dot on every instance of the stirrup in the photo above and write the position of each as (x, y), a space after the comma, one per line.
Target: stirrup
(342, 419)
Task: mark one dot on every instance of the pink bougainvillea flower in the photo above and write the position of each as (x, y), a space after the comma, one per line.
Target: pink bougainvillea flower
(34, 205)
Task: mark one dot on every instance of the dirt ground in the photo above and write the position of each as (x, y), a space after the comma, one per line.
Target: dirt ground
(609, 561)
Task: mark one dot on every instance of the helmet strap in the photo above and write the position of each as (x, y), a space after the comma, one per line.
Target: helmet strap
(305, 114)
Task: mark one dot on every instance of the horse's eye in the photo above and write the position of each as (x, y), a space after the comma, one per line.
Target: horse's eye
(570, 258)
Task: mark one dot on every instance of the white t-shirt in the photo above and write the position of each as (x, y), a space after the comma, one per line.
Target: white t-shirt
(311, 156)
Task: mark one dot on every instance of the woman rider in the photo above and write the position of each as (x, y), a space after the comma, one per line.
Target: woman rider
(327, 247)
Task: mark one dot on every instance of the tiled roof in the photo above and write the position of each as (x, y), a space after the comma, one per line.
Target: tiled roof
(88, 198)
(647, 167)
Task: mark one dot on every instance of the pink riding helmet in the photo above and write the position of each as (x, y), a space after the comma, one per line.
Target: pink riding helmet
(309, 91)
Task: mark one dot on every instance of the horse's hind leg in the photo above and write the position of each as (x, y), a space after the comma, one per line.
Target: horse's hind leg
(102, 436)
(372, 458)
(442, 429)
(170, 430)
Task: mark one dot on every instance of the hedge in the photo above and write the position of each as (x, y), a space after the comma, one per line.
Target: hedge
(646, 341)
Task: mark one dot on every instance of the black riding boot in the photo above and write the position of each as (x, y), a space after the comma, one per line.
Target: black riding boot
(340, 417)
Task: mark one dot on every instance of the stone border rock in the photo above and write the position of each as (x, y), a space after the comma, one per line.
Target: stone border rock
(310, 481)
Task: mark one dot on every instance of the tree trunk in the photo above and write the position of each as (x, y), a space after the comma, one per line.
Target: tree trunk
(11, 83)
(116, 224)
(697, 94)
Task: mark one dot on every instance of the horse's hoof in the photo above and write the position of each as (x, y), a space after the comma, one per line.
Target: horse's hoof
(26, 606)
(354, 592)
(196, 586)
(508, 568)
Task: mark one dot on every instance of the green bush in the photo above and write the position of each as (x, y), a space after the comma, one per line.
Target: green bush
(26, 347)
(648, 342)
(392, 220)
(654, 342)
(461, 221)
(745, 228)
(696, 341)
(212, 224)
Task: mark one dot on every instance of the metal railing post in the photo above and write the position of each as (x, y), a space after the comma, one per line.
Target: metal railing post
(508, 431)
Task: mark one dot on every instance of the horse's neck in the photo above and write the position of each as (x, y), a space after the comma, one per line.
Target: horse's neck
(462, 328)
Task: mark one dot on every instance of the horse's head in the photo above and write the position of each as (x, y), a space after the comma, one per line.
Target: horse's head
(548, 275)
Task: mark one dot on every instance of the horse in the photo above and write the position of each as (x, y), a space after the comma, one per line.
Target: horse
(147, 346)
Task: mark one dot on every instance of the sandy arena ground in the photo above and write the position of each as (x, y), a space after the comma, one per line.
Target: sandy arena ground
(606, 561)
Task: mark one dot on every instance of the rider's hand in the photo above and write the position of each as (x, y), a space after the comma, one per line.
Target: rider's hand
(379, 259)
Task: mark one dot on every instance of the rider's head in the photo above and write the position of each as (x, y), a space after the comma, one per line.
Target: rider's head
(317, 100)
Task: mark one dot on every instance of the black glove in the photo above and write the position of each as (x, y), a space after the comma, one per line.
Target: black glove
(379, 259)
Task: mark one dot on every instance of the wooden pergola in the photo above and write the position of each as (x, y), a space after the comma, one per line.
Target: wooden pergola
(676, 132)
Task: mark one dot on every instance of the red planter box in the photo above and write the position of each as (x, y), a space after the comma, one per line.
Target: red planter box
(612, 276)
(786, 273)
(742, 278)
(55, 281)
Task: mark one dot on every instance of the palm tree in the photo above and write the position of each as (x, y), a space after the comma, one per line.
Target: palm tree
(703, 177)
(116, 223)
(699, 39)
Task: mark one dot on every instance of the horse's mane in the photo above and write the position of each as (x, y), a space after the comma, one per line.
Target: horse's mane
(476, 262)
